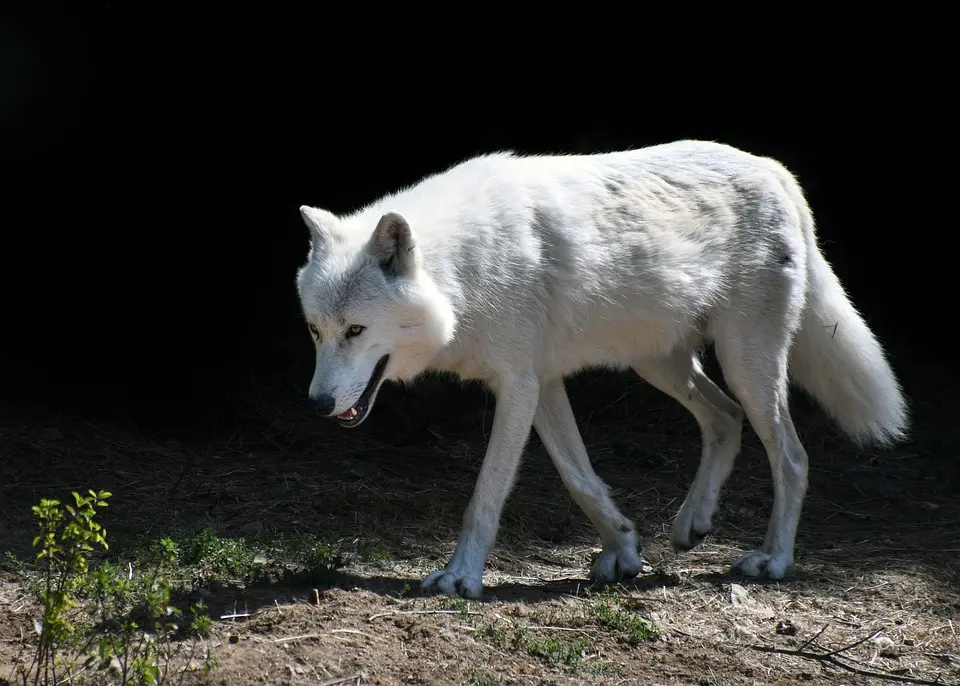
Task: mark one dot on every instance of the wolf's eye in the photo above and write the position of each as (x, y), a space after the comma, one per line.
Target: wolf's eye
(354, 330)
(314, 331)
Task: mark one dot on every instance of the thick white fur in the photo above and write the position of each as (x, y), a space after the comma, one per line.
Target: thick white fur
(519, 271)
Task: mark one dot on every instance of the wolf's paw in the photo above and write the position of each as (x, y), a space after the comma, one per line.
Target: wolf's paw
(690, 527)
(452, 581)
(615, 565)
(761, 565)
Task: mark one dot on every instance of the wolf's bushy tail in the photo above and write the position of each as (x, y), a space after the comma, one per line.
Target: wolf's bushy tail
(837, 359)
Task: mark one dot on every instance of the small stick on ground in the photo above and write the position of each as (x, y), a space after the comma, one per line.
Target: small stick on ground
(305, 637)
(854, 644)
(342, 680)
(537, 627)
(814, 638)
(290, 639)
(830, 658)
(419, 612)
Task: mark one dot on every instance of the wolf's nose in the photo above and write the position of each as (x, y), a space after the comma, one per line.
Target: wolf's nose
(324, 403)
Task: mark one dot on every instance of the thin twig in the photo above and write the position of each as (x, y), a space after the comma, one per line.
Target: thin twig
(342, 680)
(854, 644)
(304, 637)
(419, 612)
(534, 627)
(829, 658)
(289, 639)
(236, 615)
(815, 637)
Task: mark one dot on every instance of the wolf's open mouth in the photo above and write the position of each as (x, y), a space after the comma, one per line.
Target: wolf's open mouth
(358, 412)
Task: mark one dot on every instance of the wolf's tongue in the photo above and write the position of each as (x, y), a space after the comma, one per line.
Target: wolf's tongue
(349, 414)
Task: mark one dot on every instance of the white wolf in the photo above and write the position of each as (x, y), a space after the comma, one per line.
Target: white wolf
(521, 270)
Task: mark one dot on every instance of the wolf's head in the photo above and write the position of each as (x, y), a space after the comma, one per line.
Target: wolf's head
(371, 309)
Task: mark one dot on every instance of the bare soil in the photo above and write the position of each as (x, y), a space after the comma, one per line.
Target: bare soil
(878, 555)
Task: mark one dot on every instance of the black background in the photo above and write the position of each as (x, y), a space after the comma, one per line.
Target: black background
(155, 154)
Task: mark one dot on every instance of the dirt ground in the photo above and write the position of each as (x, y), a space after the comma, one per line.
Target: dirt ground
(878, 553)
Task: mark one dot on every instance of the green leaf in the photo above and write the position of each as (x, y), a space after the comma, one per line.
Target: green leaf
(151, 674)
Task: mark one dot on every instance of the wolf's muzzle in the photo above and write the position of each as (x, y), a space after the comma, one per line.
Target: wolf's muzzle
(323, 403)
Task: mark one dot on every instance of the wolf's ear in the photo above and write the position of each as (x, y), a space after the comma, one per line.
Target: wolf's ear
(392, 245)
(320, 223)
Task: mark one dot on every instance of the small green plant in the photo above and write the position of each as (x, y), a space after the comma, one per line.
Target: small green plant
(213, 557)
(319, 561)
(102, 623)
(460, 605)
(67, 535)
(634, 629)
(606, 669)
(372, 553)
(497, 636)
(552, 650)
(204, 558)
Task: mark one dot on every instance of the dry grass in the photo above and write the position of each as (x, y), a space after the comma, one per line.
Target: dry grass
(878, 575)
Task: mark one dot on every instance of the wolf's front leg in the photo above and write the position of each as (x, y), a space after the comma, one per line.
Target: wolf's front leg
(517, 399)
